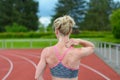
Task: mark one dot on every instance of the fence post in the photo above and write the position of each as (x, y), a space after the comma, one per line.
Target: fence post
(101, 48)
(104, 49)
(31, 43)
(11, 45)
(110, 53)
(117, 56)
(98, 46)
(50, 43)
(4, 44)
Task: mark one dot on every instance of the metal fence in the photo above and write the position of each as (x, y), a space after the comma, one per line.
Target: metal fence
(110, 52)
(26, 43)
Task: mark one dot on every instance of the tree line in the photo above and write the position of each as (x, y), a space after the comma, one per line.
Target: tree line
(88, 15)
(18, 12)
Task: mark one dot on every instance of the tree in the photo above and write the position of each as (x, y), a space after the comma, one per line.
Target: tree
(74, 8)
(22, 12)
(115, 5)
(115, 22)
(15, 28)
(97, 16)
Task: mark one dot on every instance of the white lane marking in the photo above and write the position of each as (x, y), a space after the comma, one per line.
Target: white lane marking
(97, 72)
(102, 75)
(28, 60)
(11, 67)
(30, 54)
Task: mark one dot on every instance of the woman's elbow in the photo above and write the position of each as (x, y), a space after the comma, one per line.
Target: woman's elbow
(92, 45)
(92, 49)
(36, 77)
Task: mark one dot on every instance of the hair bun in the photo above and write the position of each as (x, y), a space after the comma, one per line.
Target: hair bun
(64, 24)
(68, 20)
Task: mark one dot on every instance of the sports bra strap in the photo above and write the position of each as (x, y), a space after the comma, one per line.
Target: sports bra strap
(58, 55)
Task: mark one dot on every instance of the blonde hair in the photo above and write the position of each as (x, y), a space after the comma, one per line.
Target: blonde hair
(64, 24)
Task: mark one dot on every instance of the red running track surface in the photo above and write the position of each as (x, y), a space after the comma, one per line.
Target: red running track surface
(20, 64)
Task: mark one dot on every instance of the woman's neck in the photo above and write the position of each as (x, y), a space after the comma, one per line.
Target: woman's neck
(63, 40)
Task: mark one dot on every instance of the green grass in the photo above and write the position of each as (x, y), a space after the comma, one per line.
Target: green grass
(41, 43)
(26, 43)
(47, 40)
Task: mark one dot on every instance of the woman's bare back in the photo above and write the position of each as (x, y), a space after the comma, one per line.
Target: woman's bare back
(71, 60)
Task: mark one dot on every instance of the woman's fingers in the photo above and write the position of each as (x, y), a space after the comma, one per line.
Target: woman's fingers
(69, 43)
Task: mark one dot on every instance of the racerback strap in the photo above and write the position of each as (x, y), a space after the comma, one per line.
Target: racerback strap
(60, 58)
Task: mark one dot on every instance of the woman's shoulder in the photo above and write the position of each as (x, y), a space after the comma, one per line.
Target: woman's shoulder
(48, 49)
(76, 50)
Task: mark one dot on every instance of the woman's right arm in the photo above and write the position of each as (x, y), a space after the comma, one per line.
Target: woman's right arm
(41, 66)
(87, 49)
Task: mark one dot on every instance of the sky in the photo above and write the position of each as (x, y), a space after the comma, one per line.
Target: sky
(46, 9)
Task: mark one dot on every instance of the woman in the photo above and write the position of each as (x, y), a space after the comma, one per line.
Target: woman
(63, 58)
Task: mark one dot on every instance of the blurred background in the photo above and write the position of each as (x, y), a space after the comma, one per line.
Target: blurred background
(98, 19)
(28, 24)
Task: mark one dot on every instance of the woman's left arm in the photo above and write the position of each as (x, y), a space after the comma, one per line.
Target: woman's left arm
(41, 66)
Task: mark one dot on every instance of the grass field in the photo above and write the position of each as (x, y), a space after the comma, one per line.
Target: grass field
(47, 40)
(39, 43)
(26, 43)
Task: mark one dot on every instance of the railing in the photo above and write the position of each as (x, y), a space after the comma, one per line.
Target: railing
(26, 43)
(110, 52)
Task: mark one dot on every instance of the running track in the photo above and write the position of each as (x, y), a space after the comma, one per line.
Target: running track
(20, 64)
